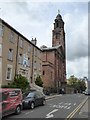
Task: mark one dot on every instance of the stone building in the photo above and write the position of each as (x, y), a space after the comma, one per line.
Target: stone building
(18, 55)
(54, 58)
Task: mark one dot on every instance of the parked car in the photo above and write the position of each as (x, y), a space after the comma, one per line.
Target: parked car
(87, 92)
(10, 101)
(33, 99)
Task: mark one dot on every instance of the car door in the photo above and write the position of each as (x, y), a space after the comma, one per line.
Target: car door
(37, 99)
(41, 98)
(5, 102)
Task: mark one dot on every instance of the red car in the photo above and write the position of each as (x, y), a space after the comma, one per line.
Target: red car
(10, 101)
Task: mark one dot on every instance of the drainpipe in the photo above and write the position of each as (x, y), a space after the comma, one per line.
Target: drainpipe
(17, 56)
(32, 64)
(55, 71)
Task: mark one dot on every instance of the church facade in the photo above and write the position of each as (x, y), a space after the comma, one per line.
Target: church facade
(54, 58)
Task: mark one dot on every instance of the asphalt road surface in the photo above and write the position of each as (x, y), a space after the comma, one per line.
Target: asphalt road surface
(58, 107)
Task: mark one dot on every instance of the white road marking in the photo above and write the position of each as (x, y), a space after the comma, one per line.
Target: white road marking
(65, 107)
(69, 107)
(62, 106)
(61, 103)
(74, 104)
(69, 103)
(54, 106)
(49, 115)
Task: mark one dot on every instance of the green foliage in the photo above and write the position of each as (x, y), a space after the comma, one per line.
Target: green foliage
(72, 81)
(19, 82)
(77, 84)
(9, 86)
(39, 81)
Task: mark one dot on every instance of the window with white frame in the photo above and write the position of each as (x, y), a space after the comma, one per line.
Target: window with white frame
(21, 43)
(0, 49)
(10, 54)
(11, 37)
(1, 30)
(20, 59)
(9, 72)
(28, 62)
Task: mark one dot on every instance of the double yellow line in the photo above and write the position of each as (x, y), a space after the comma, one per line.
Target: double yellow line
(76, 110)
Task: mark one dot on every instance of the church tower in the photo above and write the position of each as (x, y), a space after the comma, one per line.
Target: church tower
(58, 39)
(58, 34)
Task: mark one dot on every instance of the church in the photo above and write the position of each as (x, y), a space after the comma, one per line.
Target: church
(54, 58)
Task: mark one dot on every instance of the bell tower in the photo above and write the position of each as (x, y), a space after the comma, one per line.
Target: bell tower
(58, 34)
(58, 38)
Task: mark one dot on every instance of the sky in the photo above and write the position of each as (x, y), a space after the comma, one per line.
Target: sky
(35, 19)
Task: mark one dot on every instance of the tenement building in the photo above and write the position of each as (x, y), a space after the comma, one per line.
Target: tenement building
(54, 58)
(18, 55)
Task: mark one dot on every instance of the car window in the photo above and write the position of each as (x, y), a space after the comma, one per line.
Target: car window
(39, 94)
(28, 95)
(14, 93)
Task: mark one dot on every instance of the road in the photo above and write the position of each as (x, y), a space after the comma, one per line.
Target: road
(58, 107)
(84, 112)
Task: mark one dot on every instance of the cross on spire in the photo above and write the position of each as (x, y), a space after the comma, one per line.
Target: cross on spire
(58, 11)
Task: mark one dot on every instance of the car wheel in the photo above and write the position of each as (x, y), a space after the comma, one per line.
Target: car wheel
(32, 105)
(44, 102)
(18, 110)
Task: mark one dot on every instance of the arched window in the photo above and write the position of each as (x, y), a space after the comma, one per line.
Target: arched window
(57, 24)
(57, 36)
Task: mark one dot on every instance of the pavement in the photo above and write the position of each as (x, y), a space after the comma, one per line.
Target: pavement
(85, 110)
(52, 96)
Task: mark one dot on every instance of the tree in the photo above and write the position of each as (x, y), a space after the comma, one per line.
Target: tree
(81, 86)
(19, 82)
(77, 84)
(72, 81)
(39, 81)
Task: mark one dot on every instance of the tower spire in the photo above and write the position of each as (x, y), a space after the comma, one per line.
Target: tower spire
(58, 32)
(58, 11)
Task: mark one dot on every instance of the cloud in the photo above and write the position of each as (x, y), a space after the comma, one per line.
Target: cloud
(78, 67)
(45, 1)
(36, 20)
(76, 35)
